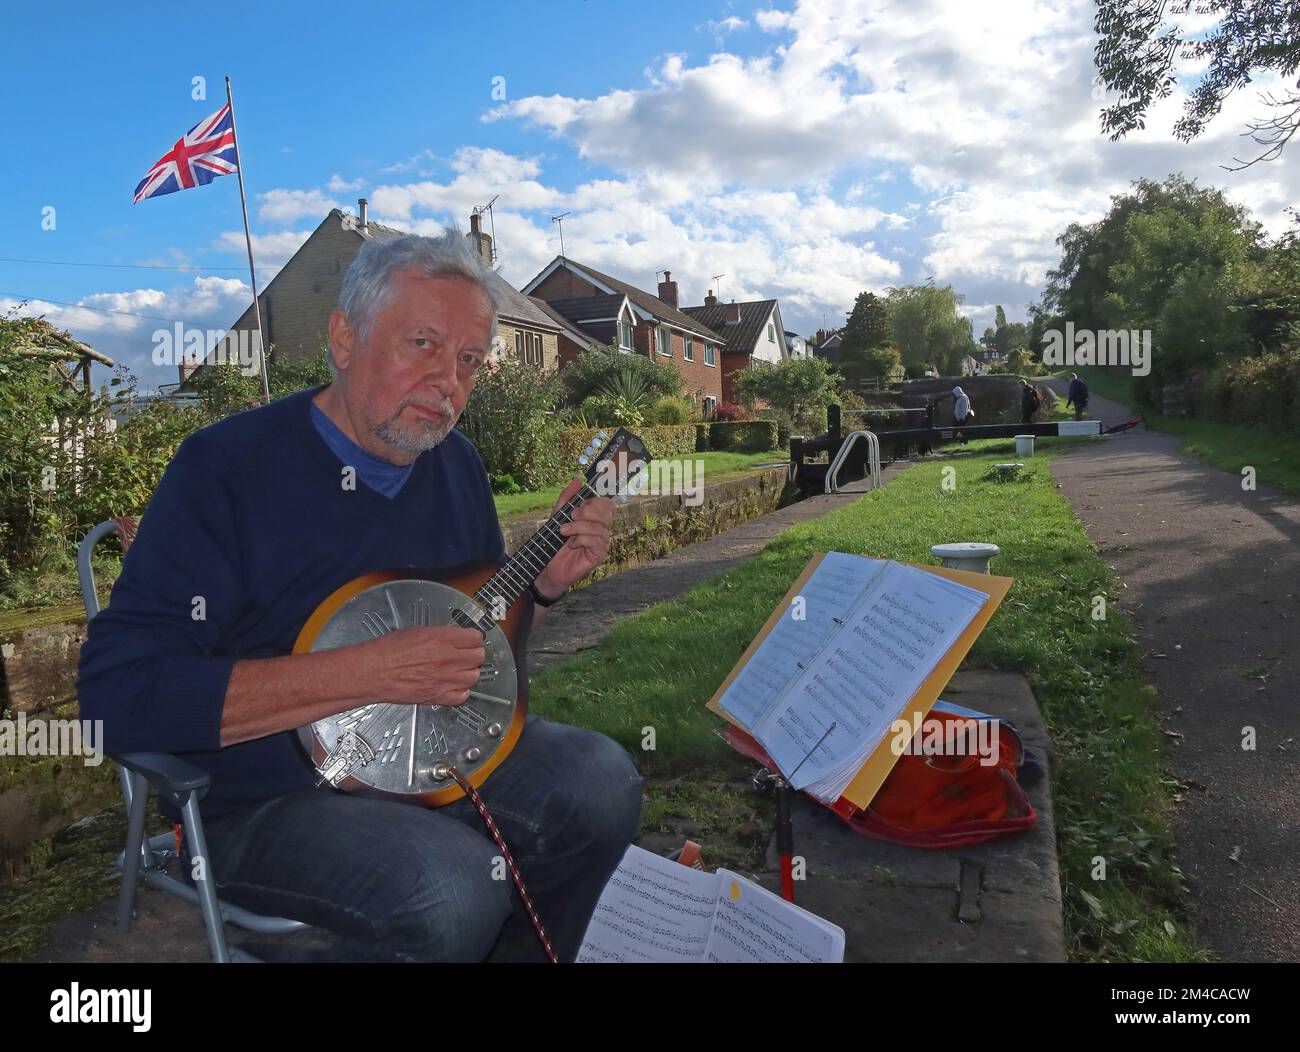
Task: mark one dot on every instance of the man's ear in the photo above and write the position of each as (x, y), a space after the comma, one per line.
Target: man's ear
(342, 339)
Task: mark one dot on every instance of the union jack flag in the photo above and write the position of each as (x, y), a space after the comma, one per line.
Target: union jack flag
(204, 152)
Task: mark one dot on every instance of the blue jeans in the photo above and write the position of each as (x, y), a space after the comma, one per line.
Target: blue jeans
(391, 880)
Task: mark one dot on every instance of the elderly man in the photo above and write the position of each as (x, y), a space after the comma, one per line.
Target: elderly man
(251, 527)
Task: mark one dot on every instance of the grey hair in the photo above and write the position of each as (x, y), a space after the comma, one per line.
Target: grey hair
(369, 280)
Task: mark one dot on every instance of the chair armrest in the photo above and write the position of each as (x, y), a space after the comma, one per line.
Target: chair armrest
(167, 773)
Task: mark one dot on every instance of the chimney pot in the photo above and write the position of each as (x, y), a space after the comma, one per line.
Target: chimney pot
(668, 290)
(361, 212)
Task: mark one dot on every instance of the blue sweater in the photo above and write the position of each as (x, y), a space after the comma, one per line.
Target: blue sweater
(249, 529)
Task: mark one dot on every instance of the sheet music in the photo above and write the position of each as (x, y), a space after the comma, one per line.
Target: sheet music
(753, 925)
(863, 679)
(652, 910)
(832, 591)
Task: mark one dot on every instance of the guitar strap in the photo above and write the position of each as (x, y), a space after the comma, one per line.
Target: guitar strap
(515, 875)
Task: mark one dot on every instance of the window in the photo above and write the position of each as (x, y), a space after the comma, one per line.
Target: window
(528, 348)
(688, 348)
(709, 403)
(665, 340)
(625, 335)
(709, 354)
(771, 333)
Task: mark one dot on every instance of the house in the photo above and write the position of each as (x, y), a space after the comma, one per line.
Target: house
(827, 344)
(795, 345)
(754, 336)
(987, 361)
(610, 311)
(297, 303)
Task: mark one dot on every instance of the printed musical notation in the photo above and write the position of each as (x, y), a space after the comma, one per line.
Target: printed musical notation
(874, 631)
(656, 910)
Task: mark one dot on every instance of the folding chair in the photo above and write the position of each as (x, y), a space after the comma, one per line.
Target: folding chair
(184, 785)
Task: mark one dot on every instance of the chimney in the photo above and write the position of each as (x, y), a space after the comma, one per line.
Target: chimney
(710, 300)
(187, 368)
(482, 242)
(732, 315)
(361, 213)
(668, 290)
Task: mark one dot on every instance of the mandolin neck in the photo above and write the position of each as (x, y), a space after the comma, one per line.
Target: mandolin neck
(521, 569)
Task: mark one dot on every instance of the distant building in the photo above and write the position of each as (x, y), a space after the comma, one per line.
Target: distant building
(297, 302)
(609, 311)
(755, 337)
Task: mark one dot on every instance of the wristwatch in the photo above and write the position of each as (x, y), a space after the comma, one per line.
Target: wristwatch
(540, 599)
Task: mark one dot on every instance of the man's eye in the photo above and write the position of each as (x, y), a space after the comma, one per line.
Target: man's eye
(423, 343)
(471, 359)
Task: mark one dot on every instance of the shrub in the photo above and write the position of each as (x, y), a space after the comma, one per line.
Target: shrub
(669, 440)
(671, 409)
(592, 370)
(730, 411)
(744, 436)
(510, 419)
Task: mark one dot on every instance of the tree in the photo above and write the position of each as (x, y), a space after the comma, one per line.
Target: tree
(797, 389)
(868, 325)
(928, 326)
(1139, 51)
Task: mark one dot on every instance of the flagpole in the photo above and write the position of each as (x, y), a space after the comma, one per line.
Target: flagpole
(248, 240)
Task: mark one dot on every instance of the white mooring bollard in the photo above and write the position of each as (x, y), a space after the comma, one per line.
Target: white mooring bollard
(966, 555)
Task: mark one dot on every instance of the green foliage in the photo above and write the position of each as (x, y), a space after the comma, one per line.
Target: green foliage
(667, 440)
(927, 326)
(510, 420)
(671, 409)
(1140, 49)
(798, 390)
(743, 436)
(1020, 362)
(867, 327)
(593, 370)
(607, 410)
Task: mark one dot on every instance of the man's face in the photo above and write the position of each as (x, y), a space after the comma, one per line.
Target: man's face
(407, 384)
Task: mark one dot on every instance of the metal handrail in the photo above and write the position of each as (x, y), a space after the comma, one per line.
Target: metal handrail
(873, 459)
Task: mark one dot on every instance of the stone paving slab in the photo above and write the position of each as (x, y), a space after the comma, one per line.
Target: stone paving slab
(994, 902)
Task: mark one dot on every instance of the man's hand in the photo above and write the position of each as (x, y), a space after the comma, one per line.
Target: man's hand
(435, 666)
(587, 542)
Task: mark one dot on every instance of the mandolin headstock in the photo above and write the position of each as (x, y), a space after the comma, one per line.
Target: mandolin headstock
(616, 466)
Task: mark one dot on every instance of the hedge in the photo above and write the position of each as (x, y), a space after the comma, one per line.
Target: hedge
(663, 440)
(744, 436)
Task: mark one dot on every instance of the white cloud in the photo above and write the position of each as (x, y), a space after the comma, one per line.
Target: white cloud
(339, 185)
(288, 206)
(269, 250)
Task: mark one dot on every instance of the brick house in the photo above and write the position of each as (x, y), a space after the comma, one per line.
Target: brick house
(826, 344)
(755, 337)
(297, 302)
(609, 310)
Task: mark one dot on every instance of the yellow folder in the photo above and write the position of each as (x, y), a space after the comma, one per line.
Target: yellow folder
(878, 765)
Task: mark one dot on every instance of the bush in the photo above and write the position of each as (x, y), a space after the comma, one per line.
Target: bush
(593, 370)
(702, 438)
(668, 440)
(671, 409)
(744, 436)
(603, 410)
(918, 372)
(505, 484)
(730, 411)
(510, 420)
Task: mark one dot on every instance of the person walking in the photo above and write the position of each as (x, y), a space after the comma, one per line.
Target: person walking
(962, 413)
(1077, 395)
(1030, 403)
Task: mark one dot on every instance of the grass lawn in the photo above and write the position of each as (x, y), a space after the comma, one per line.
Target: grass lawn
(1112, 793)
(714, 465)
(1274, 454)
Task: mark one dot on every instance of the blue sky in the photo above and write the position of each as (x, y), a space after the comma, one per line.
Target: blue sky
(807, 150)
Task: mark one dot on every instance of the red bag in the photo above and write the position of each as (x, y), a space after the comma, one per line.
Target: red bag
(935, 801)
